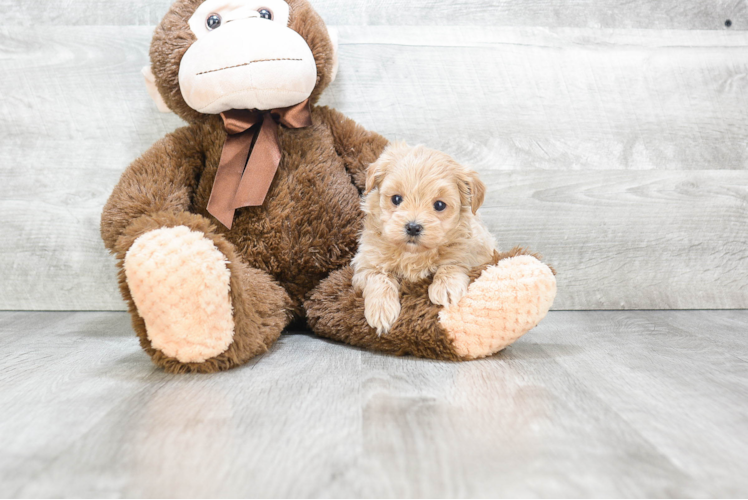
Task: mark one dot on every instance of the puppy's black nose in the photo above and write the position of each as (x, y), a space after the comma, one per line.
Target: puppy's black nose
(413, 229)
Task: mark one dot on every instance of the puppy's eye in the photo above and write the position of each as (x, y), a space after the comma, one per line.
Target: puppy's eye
(213, 22)
(266, 14)
(397, 199)
(440, 206)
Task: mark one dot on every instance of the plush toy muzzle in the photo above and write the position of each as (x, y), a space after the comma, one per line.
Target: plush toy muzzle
(247, 65)
(245, 62)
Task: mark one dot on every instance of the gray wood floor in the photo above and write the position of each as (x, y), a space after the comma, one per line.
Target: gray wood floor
(605, 404)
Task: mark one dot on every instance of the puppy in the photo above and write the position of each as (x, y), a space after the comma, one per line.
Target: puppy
(420, 221)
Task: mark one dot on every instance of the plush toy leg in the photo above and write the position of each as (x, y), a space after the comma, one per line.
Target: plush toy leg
(179, 282)
(504, 301)
(196, 307)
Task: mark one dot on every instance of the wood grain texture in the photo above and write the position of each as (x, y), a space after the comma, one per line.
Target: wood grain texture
(552, 111)
(669, 14)
(553, 99)
(520, 98)
(628, 240)
(66, 140)
(589, 404)
(697, 358)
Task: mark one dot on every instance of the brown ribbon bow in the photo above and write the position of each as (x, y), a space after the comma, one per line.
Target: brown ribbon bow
(246, 172)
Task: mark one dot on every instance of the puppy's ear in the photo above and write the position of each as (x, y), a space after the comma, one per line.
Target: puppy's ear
(375, 174)
(475, 188)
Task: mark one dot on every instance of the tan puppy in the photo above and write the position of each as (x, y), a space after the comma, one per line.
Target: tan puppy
(420, 221)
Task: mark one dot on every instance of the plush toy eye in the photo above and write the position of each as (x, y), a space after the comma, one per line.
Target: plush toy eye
(397, 199)
(213, 22)
(440, 206)
(266, 14)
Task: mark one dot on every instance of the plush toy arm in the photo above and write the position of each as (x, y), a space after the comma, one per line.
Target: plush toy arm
(160, 181)
(357, 146)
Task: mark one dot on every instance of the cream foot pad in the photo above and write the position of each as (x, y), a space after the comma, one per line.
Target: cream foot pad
(503, 304)
(179, 281)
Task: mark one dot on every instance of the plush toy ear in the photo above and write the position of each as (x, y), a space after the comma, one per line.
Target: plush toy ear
(150, 83)
(334, 38)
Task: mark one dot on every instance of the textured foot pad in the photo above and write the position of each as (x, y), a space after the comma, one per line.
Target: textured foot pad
(179, 282)
(504, 303)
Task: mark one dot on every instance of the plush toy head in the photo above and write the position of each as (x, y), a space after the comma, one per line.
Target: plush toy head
(211, 56)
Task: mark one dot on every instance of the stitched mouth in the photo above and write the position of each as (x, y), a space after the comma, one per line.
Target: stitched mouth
(247, 64)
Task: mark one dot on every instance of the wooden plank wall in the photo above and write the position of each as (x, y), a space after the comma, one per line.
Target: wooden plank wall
(661, 14)
(612, 135)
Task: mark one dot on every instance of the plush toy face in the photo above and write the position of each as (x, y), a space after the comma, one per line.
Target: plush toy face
(216, 55)
(245, 57)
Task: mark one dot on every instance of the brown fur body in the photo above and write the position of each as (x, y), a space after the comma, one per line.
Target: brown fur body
(277, 253)
(307, 227)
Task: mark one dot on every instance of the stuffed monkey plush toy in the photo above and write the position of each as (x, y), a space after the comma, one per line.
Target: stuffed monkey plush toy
(246, 219)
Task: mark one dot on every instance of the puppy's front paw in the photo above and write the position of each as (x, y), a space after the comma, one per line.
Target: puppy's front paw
(447, 289)
(381, 310)
(358, 282)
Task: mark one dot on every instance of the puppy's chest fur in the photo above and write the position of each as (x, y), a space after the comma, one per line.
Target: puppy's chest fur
(414, 266)
(473, 248)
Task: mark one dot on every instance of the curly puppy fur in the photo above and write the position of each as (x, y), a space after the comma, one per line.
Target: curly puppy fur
(407, 238)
